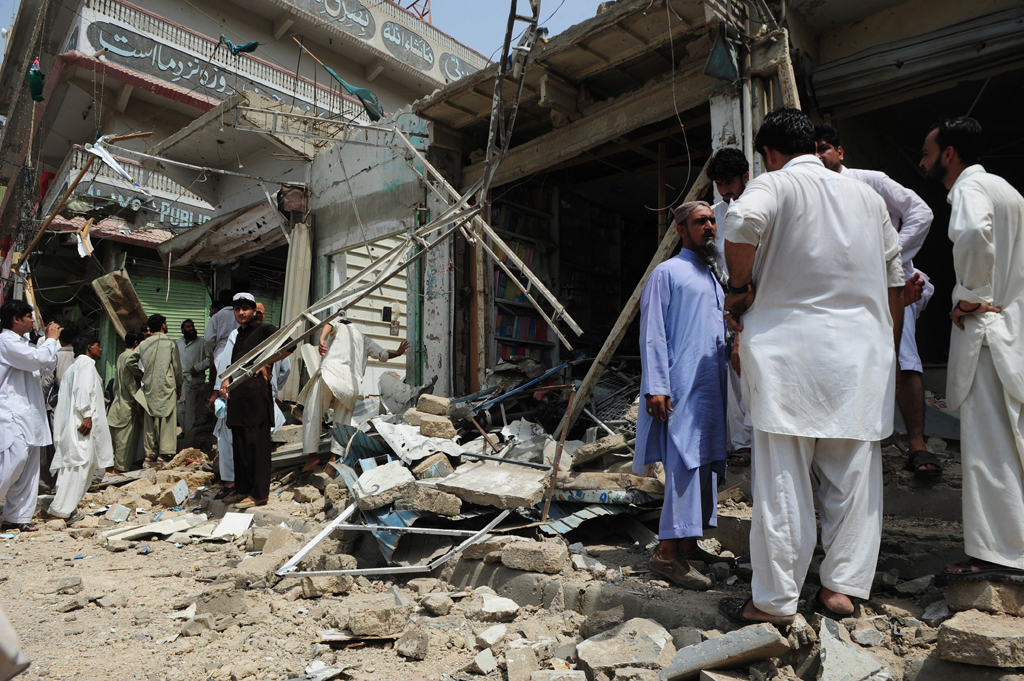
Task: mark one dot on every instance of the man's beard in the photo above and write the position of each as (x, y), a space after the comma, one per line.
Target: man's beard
(937, 171)
(190, 335)
(709, 254)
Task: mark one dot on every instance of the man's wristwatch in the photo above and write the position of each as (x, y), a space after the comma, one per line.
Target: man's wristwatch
(739, 290)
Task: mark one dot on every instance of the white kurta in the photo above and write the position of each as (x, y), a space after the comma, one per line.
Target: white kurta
(76, 455)
(193, 356)
(740, 428)
(817, 351)
(218, 329)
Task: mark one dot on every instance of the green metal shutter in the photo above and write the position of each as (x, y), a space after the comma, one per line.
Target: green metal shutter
(270, 295)
(187, 299)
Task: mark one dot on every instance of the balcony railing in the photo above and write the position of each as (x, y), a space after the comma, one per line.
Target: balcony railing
(173, 207)
(150, 44)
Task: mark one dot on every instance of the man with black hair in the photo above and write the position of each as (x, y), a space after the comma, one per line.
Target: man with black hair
(730, 172)
(161, 384)
(816, 289)
(220, 326)
(81, 435)
(123, 415)
(986, 351)
(23, 425)
(194, 364)
(250, 410)
(912, 218)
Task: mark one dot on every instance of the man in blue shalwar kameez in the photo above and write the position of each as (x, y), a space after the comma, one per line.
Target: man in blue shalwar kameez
(682, 420)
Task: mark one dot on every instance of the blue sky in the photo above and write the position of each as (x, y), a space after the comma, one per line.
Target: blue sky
(481, 23)
(7, 8)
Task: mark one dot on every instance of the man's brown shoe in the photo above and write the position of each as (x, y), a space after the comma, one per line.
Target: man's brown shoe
(681, 573)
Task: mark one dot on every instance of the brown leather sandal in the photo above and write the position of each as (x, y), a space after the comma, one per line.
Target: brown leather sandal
(681, 573)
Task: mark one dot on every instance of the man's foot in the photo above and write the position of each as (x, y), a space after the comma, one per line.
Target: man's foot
(224, 491)
(744, 611)
(680, 572)
(311, 463)
(924, 465)
(740, 457)
(251, 503)
(234, 498)
(20, 527)
(976, 569)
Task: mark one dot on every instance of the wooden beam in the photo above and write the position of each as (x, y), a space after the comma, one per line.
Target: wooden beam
(632, 110)
(611, 344)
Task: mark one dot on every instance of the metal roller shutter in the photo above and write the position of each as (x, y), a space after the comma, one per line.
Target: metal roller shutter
(187, 300)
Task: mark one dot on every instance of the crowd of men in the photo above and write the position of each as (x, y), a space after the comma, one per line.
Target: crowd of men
(785, 330)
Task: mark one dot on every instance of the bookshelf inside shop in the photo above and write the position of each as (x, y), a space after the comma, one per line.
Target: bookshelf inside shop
(526, 218)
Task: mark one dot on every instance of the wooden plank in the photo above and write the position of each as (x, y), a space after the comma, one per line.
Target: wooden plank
(615, 336)
(630, 111)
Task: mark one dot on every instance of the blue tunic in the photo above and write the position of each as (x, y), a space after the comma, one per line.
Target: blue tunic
(683, 351)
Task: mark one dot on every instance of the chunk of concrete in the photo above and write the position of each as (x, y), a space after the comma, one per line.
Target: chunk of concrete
(423, 585)
(867, 636)
(520, 663)
(430, 500)
(497, 609)
(117, 513)
(686, 636)
(635, 674)
(434, 466)
(198, 624)
(595, 450)
(111, 601)
(414, 644)
(306, 494)
(117, 545)
(558, 675)
(437, 426)
(585, 563)
(485, 548)
(736, 649)
(491, 484)
(994, 597)
(483, 663)
(412, 416)
(281, 538)
(287, 434)
(381, 486)
(437, 604)
(547, 556)
(433, 404)
(936, 613)
(979, 638)
(842, 661)
(635, 643)
(915, 586)
(376, 615)
(602, 621)
(175, 495)
(69, 585)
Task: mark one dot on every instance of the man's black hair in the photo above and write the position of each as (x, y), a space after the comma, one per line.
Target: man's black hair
(186, 321)
(224, 298)
(13, 309)
(726, 164)
(787, 131)
(69, 333)
(82, 343)
(156, 323)
(827, 134)
(244, 302)
(963, 134)
(133, 338)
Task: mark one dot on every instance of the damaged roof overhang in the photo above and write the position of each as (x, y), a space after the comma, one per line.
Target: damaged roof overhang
(255, 228)
(607, 67)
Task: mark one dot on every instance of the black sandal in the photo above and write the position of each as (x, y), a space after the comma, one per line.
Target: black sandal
(20, 527)
(922, 457)
(739, 458)
(976, 570)
(224, 492)
(733, 609)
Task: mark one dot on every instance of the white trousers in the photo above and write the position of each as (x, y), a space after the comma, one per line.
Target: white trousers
(910, 359)
(226, 457)
(19, 481)
(787, 471)
(313, 418)
(72, 484)
(992, 456)
(12, 660)
(740, 429)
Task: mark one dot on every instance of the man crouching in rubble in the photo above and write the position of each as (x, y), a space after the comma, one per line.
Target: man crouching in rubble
(682, 422)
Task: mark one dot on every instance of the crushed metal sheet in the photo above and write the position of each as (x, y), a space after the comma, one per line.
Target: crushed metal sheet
(565, 518)
(333, 636)
(233, 524)
(605, 496)
(163, 527)
(386, 540)
(410, 444)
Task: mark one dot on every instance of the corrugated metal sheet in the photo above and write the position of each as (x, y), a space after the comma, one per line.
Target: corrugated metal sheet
(187, 300)
(567, 517)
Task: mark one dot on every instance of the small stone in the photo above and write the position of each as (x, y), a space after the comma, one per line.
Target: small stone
(635, 643)
(198, 624)
(686, 636)
(867, 636)
(585, 563)
(483, 663)
(549, 556)
(520, 663)
(117, 545)
(437, 426)
(492, 636)
(69, 585)
(979, 638)
(306, 494)
(112, 601)
(497, 609)
(558, 675)
(994, 597)
(414, 644)
(76, 603)
(915, 586)
(423, 585)
(936, 613)
(433, 404)
(55, 525)
(437, 604)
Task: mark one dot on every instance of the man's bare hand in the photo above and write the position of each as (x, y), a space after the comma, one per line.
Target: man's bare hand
(913, 289)
(224, 388)
(212, 401)
(323, 349)
(962, 309)
(402, 347)
(738, 303)
(659, 407)
(53, 330)
(193, 371)
(86, 426)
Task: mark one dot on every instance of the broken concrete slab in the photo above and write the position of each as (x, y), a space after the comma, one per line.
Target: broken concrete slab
(502, 486)
(281, 538)
(488, 546)
(635, 674)
(433, 404)
(635, 643)
(602, 621)
(520, 662)
(842, 661)
(430, 500)
(994, 597)
(437, 604)
(548, 556)
(558, 675)
(492, 636)
(306, 494)
(736, 649)
(381, 486)
(373, 615)
(496, 609)
(414, 644)
(434, 466)
(595, 450)
(483, 663)
(437, 426)
(979, 638)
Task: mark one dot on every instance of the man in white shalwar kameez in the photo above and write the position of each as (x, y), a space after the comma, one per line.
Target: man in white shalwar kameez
(337, 384)
(24, 428)
(194, 363)
(986, 351)
(80, 431)
(816, 274)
